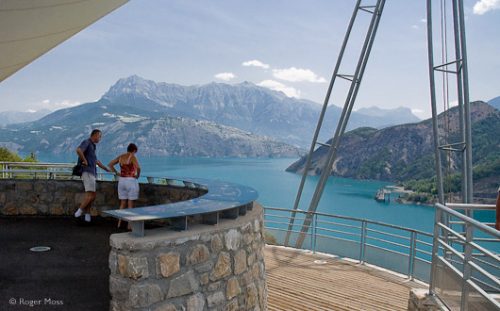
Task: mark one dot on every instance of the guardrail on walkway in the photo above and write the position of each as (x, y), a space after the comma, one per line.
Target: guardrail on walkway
(397, 248)
(43, 170)
(466, 264)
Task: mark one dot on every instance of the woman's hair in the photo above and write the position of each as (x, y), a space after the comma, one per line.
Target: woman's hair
(131, 148)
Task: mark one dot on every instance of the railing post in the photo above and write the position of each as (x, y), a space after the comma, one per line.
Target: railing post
(435, 250)
(411, 256)
(469, 231)
(315, 231)
(362, 242)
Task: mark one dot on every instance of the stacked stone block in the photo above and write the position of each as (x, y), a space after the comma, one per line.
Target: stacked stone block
(205, 268)
(62, 197)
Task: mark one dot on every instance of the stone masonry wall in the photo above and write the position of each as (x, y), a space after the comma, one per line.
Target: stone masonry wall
(62, 197)
(420, 300)
(207, 267)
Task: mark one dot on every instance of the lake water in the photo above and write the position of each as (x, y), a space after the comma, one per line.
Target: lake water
(278, 188)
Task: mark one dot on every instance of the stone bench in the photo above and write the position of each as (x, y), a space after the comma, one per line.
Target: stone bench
(222, 200)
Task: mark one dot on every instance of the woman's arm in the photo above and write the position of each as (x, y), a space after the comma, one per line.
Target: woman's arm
(137, 167)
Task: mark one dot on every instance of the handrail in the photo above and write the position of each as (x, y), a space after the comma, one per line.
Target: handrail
(467, 219)
(351, 218)
(480, 276)
(471, 206)
(64, 164)
(409, 246)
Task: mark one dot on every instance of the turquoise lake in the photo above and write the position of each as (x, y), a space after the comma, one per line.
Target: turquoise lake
(278, 188)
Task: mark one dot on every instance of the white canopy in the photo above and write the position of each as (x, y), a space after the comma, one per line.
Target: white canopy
(29, 28)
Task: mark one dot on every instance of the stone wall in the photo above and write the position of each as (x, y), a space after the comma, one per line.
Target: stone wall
(204, 268)
(420, 300)
(62, 197)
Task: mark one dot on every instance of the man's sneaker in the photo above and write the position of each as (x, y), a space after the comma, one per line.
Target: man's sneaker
(78, 212)
(87, 218)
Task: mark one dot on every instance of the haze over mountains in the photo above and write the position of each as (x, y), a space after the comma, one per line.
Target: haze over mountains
(12, 117)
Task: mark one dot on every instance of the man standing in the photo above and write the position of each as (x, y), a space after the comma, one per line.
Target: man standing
(88, 159)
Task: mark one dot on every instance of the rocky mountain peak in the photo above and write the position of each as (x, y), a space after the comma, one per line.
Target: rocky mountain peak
(131, 85)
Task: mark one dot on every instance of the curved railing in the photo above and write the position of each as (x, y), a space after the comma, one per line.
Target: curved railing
(460, 260)
(61, 171)
(404, 250)
(219, 199)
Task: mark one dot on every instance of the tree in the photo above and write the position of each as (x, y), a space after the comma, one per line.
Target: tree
(8, 156)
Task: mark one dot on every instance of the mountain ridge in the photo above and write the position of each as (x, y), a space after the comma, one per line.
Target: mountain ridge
(403, 152)
(243, 105)
(155, 134)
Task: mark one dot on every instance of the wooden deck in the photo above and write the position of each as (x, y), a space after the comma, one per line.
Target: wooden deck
(296, 282)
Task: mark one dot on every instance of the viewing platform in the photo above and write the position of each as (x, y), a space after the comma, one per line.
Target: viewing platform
(225, 264)
(74, 273)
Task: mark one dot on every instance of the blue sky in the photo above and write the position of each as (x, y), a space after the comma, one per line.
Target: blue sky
(287, 45)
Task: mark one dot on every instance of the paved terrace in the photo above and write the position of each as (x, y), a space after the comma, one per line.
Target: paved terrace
(75, 272)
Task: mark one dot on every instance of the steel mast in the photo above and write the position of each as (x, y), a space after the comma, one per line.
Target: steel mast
(355, 82)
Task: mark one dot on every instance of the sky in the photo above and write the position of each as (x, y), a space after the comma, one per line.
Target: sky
(286, 45)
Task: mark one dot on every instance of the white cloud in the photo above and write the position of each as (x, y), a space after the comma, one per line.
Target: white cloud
(48, 104)
(423, 20)
(293, 74)
(415, 26)
(484, 6)
(225, 76)
(420, 113)
(255, 63)
(278, 86)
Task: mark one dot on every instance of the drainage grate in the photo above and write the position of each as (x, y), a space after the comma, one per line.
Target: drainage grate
(40, 249)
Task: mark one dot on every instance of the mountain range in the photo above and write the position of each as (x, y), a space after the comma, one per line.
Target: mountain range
(495, 102)
(406, 152)
(241, 120)
(246, 106)
(155, 134)
(11, 117)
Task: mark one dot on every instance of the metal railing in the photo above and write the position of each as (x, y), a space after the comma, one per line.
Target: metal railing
(400, 249)
(35, 170)
(465, 268)
(45, 170)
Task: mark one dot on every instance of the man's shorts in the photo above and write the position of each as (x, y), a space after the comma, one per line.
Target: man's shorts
(128, 188)
(88, 182)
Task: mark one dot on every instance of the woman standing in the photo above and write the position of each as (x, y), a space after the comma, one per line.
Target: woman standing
(128, 185)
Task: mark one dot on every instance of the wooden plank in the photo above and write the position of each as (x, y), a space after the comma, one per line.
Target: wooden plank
(297, 281)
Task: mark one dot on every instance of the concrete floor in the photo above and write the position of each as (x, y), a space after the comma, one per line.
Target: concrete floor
(73, 275)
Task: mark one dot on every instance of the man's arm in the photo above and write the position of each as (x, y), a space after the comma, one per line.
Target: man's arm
(104, 167)
(80, 154)
(112, 164)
